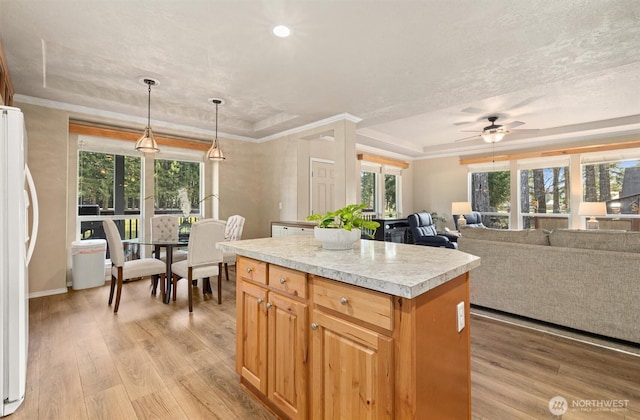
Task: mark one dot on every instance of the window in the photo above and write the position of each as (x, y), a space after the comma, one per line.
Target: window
(108, 184)
(368, 188)
(617, 183)
(380, 189)
(544, 190)
(491, 196)
(177, 187)
(544, 195)
(392, 189)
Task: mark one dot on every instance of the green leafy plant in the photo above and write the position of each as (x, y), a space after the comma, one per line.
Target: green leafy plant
(439, 221)
(346, 218)
(437, 218)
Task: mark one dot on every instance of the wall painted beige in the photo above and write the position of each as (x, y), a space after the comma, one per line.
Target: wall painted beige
(240, 184)
(253, 181)
(437, 183)
(408, 194)
(48, 158)
(279, 182)
(341, 150)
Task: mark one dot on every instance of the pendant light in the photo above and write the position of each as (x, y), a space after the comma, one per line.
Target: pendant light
(147, 143)
(215, 152)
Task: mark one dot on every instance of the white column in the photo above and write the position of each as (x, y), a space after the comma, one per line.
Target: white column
(575, 169)
(515, 221)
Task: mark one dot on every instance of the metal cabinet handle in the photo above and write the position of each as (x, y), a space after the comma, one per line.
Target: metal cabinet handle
(249, 269)
(344, 300)
(314, 326)
(260, 301)
(269, 305)
(282, 280)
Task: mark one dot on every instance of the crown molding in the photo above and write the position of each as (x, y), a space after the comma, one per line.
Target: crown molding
(47, 103)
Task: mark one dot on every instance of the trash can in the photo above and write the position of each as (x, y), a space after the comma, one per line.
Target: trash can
(87, 265)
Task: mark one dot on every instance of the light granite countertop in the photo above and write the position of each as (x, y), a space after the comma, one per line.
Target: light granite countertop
(397, 269)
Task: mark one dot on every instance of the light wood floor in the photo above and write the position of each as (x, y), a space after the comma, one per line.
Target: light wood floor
(155, 361)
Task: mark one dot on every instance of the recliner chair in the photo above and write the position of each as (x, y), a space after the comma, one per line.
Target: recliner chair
(473, 220)
(424, 231)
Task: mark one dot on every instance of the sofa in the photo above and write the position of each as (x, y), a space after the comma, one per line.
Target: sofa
(580, 279)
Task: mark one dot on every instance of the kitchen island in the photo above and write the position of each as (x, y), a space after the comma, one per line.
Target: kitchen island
(378, 331)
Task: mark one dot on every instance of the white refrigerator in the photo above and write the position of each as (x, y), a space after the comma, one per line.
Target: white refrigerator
(18, 231)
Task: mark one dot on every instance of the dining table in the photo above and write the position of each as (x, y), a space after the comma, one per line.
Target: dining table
(169, 247)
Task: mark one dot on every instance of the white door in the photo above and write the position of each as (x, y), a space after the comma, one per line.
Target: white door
(323, 182)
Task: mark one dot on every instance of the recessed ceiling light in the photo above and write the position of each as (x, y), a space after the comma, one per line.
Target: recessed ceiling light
(282, 31)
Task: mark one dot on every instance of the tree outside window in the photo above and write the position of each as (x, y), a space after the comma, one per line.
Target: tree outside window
(544, 191)
(368, 190)
(175, 179)
(491, 195)
(391, 195)
(618, 185)
(108, 184)
(102, 178)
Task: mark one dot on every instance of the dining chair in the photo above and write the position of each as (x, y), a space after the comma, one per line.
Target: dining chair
(232, 232)
(166, 228)
(204, 260)
(123, 270)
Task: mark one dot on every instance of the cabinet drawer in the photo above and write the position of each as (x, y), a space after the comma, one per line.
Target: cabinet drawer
(365, 305)
(286, 280)
(252, 270)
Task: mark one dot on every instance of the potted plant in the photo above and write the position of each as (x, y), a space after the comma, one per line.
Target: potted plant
(440, 221)
(339, 229)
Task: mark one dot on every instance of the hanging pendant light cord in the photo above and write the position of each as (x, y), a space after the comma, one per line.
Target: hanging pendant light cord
(149, 105)
(216, 122)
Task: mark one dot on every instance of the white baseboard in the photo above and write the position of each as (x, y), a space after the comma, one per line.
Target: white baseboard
(48, 293)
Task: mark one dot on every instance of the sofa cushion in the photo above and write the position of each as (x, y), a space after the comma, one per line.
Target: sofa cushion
(531, 236)
(605, 240)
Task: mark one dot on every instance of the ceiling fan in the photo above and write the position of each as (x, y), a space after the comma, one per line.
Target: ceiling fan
(495, 132)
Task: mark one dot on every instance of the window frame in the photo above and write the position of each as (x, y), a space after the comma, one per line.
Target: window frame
(108, 147)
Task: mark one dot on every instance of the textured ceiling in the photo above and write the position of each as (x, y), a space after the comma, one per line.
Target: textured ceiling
(416, 73)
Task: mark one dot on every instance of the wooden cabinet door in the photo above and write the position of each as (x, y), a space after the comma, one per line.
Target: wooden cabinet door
(288, 355)
(351, 371)
(251, 334)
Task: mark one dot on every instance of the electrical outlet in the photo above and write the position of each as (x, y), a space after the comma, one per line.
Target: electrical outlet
(460, 310)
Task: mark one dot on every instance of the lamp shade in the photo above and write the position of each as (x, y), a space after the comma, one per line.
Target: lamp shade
(147, 143)
(461, 207)
(215, 152)
(592, 209)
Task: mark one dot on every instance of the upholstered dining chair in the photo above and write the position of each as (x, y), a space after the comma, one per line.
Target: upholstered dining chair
(123, 270)
(204, 260)
(232, 232)
(165, 228)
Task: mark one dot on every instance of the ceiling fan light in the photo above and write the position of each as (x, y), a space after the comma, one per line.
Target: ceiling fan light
(147, 143)
(493, 136)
